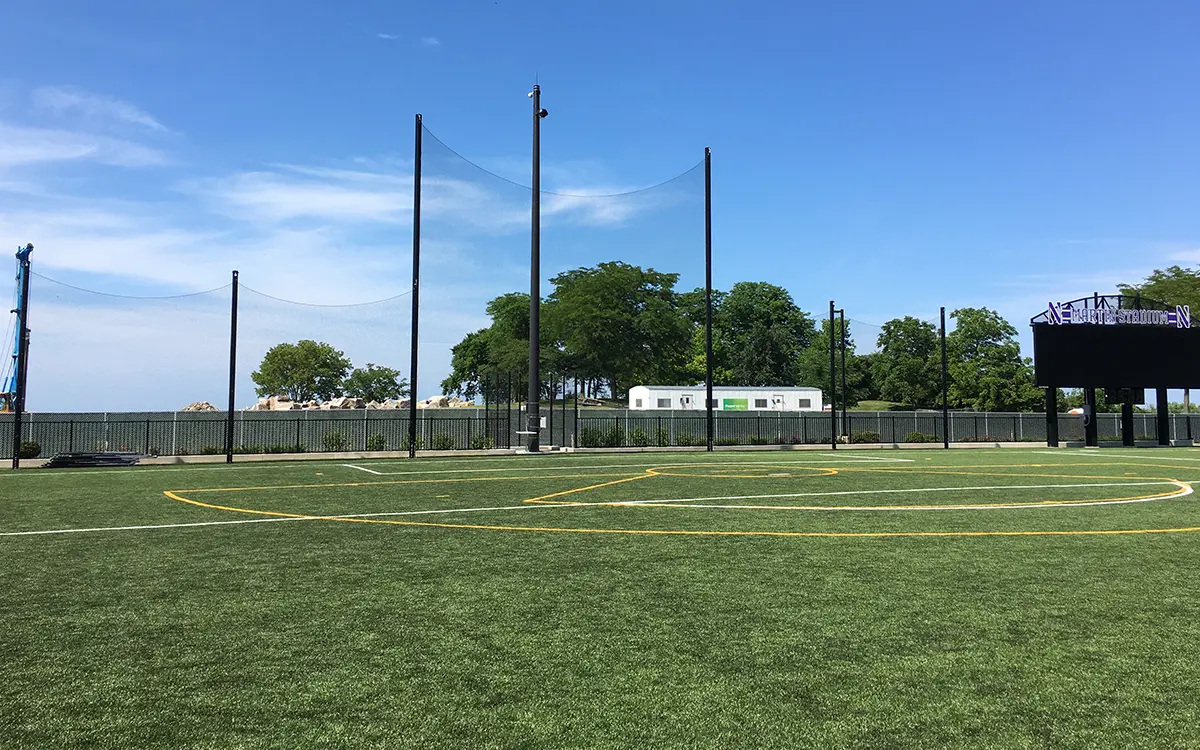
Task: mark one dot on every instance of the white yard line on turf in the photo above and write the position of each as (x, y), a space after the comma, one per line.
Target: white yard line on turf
(1182, 485)
(1092, 454)
(280, 520)
(583, 467)
(899, 491)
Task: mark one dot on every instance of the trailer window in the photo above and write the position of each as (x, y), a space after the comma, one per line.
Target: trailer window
(664, 403)
(637, 403)
(760, 403)
(806, 403)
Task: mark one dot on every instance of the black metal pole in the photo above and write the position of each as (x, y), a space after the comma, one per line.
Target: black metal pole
(508, 411)
(845, 391)
(233, 328)
(833, 423)
(22, 363)
(533, 423)
(708, 349)
(416, 291)
(1052, 416)
(1127, 435)
(1164, 416)
(945, 388)
(575, 428)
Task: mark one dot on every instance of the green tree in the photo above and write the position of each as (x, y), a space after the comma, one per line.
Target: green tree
(1173, 285)
(812, 365)
(987, 372)
(907, 366)
(764, 333)
(496, 354)
(618, 323)
(691, 307)
(303, 371)
(375, 383)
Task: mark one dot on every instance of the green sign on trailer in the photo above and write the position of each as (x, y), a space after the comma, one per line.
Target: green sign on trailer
(735, 404)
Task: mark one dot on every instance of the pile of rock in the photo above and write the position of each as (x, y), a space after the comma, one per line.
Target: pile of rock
(445, 402)
(283, 403)
(200, 406)
(274, 403)
(391, 403)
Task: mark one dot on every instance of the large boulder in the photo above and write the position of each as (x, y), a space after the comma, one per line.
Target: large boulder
(273, 403)
(344, 402)
(437, 402)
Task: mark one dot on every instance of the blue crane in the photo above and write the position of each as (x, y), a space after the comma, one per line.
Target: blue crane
(8, 396)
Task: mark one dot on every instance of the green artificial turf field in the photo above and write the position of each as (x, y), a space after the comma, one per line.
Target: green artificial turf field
(792, 599)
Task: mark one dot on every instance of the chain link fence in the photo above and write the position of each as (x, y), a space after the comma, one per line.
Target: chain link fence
(364, 430)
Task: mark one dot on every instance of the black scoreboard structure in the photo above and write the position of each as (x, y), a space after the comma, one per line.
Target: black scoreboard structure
(1121, 344)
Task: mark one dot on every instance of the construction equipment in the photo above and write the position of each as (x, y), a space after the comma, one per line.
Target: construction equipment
(13, 374)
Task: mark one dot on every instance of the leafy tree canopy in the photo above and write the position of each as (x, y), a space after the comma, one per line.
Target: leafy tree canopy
(303, 371)
(619, 323)
(1173, 285)
(907, 366)
(987, 372)
(374, 383)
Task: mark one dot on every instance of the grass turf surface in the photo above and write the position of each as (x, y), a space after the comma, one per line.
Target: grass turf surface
(278, 631)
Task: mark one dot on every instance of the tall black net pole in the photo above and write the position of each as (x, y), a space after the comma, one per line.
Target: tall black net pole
(22, 363)
(845, 391)
(833, 419)
(233, 330)
(416, 294)
(945, 388)
(708, 350)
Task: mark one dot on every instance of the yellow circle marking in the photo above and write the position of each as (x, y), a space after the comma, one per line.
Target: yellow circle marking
(675, 471)
(677, 532)
(1184, 488)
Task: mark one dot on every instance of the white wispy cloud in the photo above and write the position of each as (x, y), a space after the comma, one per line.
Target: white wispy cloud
(59, 100)
(26, 145)
(390, 37)
(431, 41)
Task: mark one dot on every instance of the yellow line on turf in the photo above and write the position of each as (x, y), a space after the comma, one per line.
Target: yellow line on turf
(1181, 492)
(545, 498)
(679, 532)
(397, 481)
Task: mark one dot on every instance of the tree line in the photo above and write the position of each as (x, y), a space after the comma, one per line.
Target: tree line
(617, 325)
(314, 370)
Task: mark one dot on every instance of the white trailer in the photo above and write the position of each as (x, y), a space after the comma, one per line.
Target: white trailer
(725, 398)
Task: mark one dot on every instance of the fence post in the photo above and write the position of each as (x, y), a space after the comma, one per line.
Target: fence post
(298, 419)
(146, 444)
(174, 432)
(71, 438)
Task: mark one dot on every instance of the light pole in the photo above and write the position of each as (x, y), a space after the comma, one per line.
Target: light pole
(533, 424)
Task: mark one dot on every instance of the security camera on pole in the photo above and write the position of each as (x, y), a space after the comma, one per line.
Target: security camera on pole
(534, 421)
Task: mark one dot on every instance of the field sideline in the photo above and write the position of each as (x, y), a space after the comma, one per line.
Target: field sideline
(984, 598)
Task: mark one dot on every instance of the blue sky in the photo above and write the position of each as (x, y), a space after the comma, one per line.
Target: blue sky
(893, 156)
